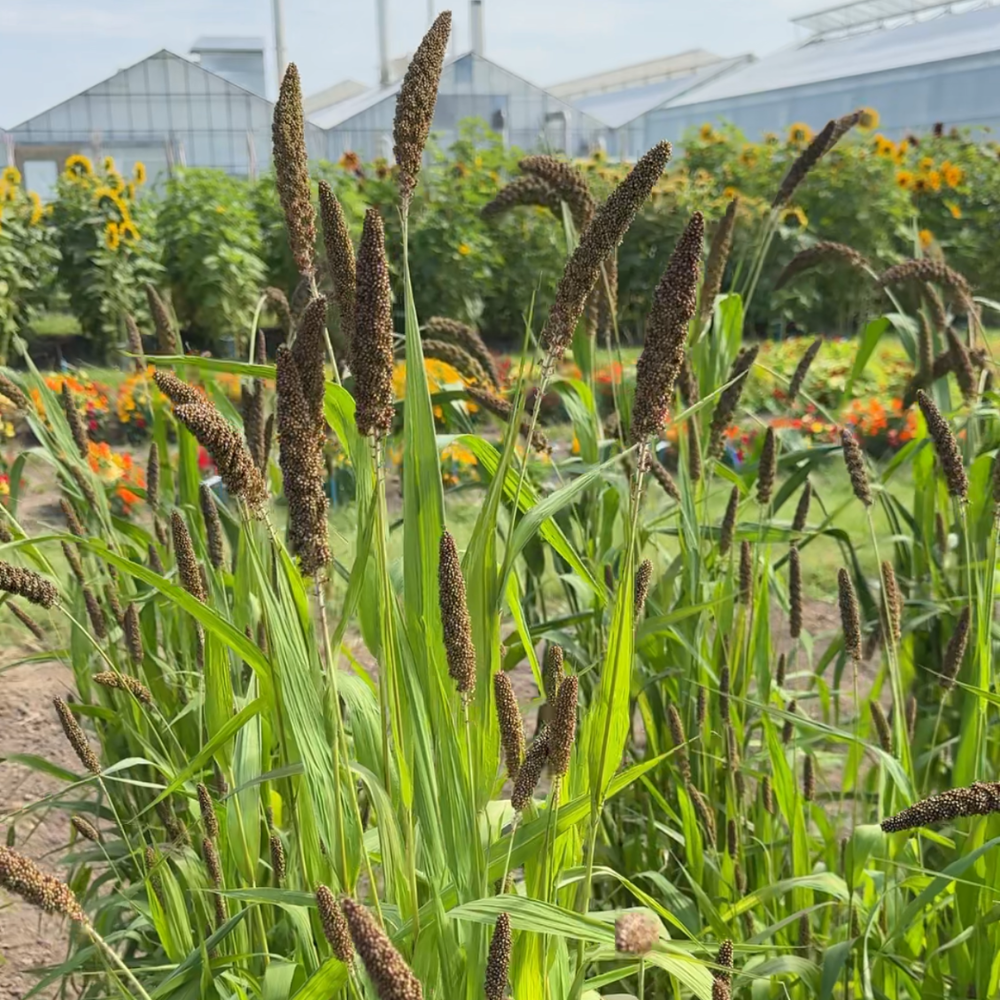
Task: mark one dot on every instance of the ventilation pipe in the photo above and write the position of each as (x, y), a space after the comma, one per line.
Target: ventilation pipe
(280, 54)
(382, 15)
(476, 21)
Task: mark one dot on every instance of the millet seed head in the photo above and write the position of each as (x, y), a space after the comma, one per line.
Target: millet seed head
(802, 509)
(552, 670)
(85, 828)
(855, 461)
(642, 577)
(390, 975)
(187, 561)
(23, 877)
(945, 446)
(153, 475)
(213, 526)
(207, 808)
(335, 927)
(563, 726)
(76, 737)
(440, 328)
(26, 620)
(767, 468)
(979, 799)
(527, 190)
(166, 335)
(510, 723)
(729, 399)
(850, 615)
(133, 633)
(746, 572)
(28, 584)
(278, 866)
(636, 933)
(10, 390)
(660, 474)
(727, 530)
(955, 651)
(498, 959)
(456, 624)
(74, 420)
(802, 368)
(123, 682)
(175, 389)
(809, 778)
(893, 600)
(73, 559)
(882, 729)
(531, 770)
(677, 734)
(715, 265)
(724, 962)
(340, 259)
(804, 163)
(72, 521)
(794, 593)
(724, 683)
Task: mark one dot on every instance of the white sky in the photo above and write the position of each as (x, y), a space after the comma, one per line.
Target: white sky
(50, 50)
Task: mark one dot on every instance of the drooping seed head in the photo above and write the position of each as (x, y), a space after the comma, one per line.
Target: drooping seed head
(855, 461)
(124, 682)
(166, 336)
(569, 183)
(504, 409)
(715, 266)
(76, 737)
(26, 620)
(961, 365)
(85, 828)
(955, 651)
(794, 593)
(23, 877)
(664, 478)
(498, 959)
(945, 446)
(458, 358)
(850, 615)
(729, 400)
(527, 190)
(439, 328)
(636, 933)
(926, 270)
(187, 562)
(415, 105)
(455, 621)
(563, 727)
(390, 975)
(531, 770)
(979, 799)
(10, 390)
(819, 253)
(804, 163)
(335, 927)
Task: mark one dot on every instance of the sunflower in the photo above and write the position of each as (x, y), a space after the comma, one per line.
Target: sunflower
(933, 178)
(79, 166)
(904, 179)
(706, 133)
(869, 119)
(884, 147)
(116, 182)
(11, 175)
(109, 200)
(920, 185)
(797, 215)
(952, 175)
(926, 163)
(139, 173)
(771, 138)
(799, 134)
(112, 236)
(926, 238)
(130, 190)
(350, 161)
(748, 155)
(955, 209)
(8, 193)
(108, 164)
(37, 208)
(127, 231)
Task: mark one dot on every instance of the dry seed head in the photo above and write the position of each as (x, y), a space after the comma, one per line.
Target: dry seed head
(706, 813)
(809, 778)
(597, 242)
(925, 350)
(175, 389)
(788, 729)
(768, 468)
(339, 258)
(794, 593)
(766, 795)
(528, 190)
(207, 807)
(291, 171)
(720, 990)
(277, 857)
(166, 337)
(153, 475)
(388, 971)
(701, 708)
(955, 651)
(802, 509)
(850, 615)
(9, 390)
(636, 933)
(187, 562)
(946, 447)
(510, 723)
(893, 600)
(371, 352)
(439, 328)
(85, 828)
(729, 399)
(160, 529)
(727, 529)
(806, 160)
(309, 352)
(455, 621)
(687, 384)
(746, 572)
(552, 671)
(73, 558)
(724, 682)
(252, 412)
(779, 672)
(679, 738)
(213, 526)
(123, 682)
(715, 266)
(498, 960)
(76, 737)
(111, 596)
(74, 420)
(855, 461)
(665, 480)
(211, 855)
(133, 633)
(22, 876)
(26, 620)
(463, 362)
(563, 728)
(531, 770)
(504, 409)
(802, 368)
(96, 614)
(961, 365)
(569, 183)
(642, 577)
(228, 450)
(133, 342)
(928, 271)
(819, 253)
(980, 799)
(882, 729)
(732, 749)
(335, 927)
(27, 584)
(415, 105)
(674, 303)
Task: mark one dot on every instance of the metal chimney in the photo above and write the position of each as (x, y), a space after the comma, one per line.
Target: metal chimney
(476, 24)
(280, 55)
(382, 16)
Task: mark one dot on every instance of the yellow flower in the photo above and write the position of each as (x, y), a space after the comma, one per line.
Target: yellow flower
(933, 178)
(771, 138)
(139, 174)
(884, 147)
(79, 166)
(221, 209)
(920, 185)
(464, 249)
(748, 155)
(130, 191)
(108, 199)
(116, 182)
(799, 133)
(926, 238)
(37, 208)
(706, 132)
(927, 163)
(956, 211)
(478, 161)
(729, 193)
(11, 175)
(904, 179)
(952, 175)
(112, 237)
(128, 231)
(8, 193)
(797, 215)
(869, 119)
(108, 164)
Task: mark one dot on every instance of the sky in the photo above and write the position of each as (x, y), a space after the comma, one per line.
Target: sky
(50, 50)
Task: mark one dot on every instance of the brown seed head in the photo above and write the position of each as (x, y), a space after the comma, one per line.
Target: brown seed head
(23, 877)
(664, 478)
(948, 453)
(277, 857)
(746, 572)
(642, 577)
(415, 105)
(531, 770)
(802, 368)
(85, 828)
(187, 562)
(766, 795)
(679, 738)
(563, 728)
(133, 633)
(335, 926)
(26, 620)
(340, 259)
(504, 409)
(674, 303)
(76, 737)
(228, 450)
(597, 242)
(175, 389)
(166, 336)
(455, 621)
(961, 365)
(687, 384)
(780, 669)
(72, 521)
(715, 266)
(720, 990)
(882, 729)
(207, 807)
(822, 142)
(278, 302)
(850, 615)
(855, 461)
(732, 750)
(10, 390)
(510, 723)
(926, 270)
(724, 962)
(802, 509)
(74, 420)
(706, 813)
(552, 671)
(820, 253)
(372, 349)
(440, 329)
(767, 468)
(788, 729)
(27, 584)
(727, 530)
(309, 352)
(211, 855)
(569, 183)
(794, 593)
(96, 614)
(389, 973)
(73, 558)
(213, 526)
(123, 682)
(636, 933)
(980, 799)
(732, 839)
(498, 959)
(291, 171)
(809, 778)
(252, 412)
(729, 399)
(528, 190)
(955, 651)
(893, 600)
